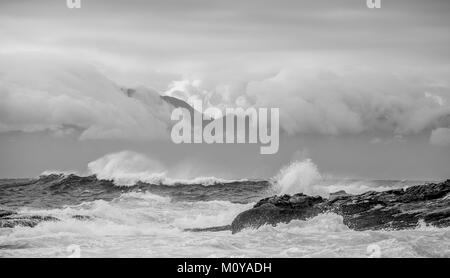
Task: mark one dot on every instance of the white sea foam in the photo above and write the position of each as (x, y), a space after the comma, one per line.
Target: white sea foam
(206, 181)
(58, 172)
(139, 224)
(142, 224)
(355, 186)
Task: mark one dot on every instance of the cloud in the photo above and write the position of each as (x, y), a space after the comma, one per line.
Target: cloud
(332, 68)
(63, 96)
(336, 99)
(351, 101)
(440, 137)
(41, 92)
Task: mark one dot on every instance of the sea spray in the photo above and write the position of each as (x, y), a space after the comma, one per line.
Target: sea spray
(303, 176)
(300, 177)
(126, 168)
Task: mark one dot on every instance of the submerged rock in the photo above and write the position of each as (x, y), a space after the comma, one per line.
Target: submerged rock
(393, 209)
(82, 217)
(11, 219)
(14, 219)
(4, 213)
(210, 229)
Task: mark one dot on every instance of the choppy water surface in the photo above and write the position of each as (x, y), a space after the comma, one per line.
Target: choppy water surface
(148, 220)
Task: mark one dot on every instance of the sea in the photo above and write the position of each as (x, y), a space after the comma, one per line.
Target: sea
(149, 218)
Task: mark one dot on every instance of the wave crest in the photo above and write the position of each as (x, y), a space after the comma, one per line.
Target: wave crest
(299, 177)
(127, 168)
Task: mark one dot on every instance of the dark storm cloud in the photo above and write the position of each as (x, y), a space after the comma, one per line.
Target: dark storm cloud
(333, 67)
(238, 45)
(235, 43)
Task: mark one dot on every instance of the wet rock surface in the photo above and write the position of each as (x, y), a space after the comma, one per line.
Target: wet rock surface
(393, 209)
(11, 219)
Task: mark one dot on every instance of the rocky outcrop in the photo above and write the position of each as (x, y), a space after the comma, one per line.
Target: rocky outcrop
(11, 219)
(210, 229)
(5, 213)
(278, 209)
(393, 209)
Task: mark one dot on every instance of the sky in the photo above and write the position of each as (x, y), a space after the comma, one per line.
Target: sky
(363, 92)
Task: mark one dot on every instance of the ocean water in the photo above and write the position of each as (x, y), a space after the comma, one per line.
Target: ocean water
(148, 220)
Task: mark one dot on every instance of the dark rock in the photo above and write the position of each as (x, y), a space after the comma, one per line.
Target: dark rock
(11, 219)
(393, 209)
(210, 229)
(82, 217)
(4, 213)
(15, 219)
(338, 194)
(276, 210)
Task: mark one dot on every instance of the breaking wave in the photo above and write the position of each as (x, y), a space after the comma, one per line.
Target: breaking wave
(127, 205)
(299, 177)
(127, 168)
(304, 177)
